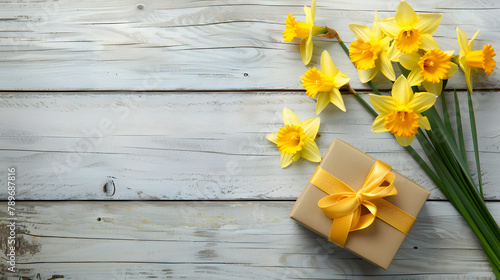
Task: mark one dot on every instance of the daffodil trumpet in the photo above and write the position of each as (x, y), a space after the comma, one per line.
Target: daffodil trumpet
(305, 30)
(296, 139)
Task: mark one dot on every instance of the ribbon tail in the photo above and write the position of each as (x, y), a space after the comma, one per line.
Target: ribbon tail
(340, 230)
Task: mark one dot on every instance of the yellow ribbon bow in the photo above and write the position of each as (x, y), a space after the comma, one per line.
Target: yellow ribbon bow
(343, 204)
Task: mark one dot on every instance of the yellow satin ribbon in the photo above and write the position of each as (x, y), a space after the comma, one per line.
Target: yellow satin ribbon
(343, 204)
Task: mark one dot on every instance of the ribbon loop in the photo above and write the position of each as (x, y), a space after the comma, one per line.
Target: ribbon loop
(344, 205)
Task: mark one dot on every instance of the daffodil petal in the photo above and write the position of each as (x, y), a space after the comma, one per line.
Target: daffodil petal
(286, 160)
(336, 99)
(468, 78)
(362, 32)
(422, 101)
(462, 60)
(307, 11)
(452, 70)
(340, 79)
(382, 103)
(323, 100)
(377, 32)
(471, 41)
(386, 66)
(311, 126)
(379, 124)
(428, 42)
(313, 10)
(310, 151)
(306, 49)
(409, 60)
(327, 65)
(462, 40)
(296, 156)
(405, 16)
(423, 122)
(401, 91)
(272, 137)
(404, 141)
(415, 78)
(428, 23)
(289, 117)
(367, 75)
(435, 88)
(390, 26)
(393, 53)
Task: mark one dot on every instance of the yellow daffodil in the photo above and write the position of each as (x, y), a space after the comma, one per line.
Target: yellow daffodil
(296, 139)
(410, 31)
(369, 51)
(304, 30)
(429, 68)
(326, 82)
(401, 113)
(470, 59)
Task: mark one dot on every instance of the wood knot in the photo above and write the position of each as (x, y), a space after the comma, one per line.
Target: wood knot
(109, 187)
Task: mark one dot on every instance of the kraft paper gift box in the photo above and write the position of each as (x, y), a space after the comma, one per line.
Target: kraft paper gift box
(379, 242)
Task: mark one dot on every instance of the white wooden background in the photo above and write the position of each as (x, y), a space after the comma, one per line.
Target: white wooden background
(172, 101)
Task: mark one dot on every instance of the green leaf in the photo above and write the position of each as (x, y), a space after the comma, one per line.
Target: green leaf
(425, 167)
(474, 142)
(437, 123)
(446, 115)
(459, 128)
(453, 188)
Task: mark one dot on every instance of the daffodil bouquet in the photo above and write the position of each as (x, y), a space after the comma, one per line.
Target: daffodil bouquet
(408, 112)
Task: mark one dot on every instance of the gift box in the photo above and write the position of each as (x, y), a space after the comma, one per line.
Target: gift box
(359, 203)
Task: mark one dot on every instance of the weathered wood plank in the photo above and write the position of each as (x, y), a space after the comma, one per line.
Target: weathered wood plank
(192, 45)
(191, 146)
(220, 240)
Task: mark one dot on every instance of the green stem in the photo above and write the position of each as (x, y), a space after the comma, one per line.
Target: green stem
(437, 123)
(446, 115)
(372, 86)
(346, 50)
(366, 105)
(460, 132)
(426, 168)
